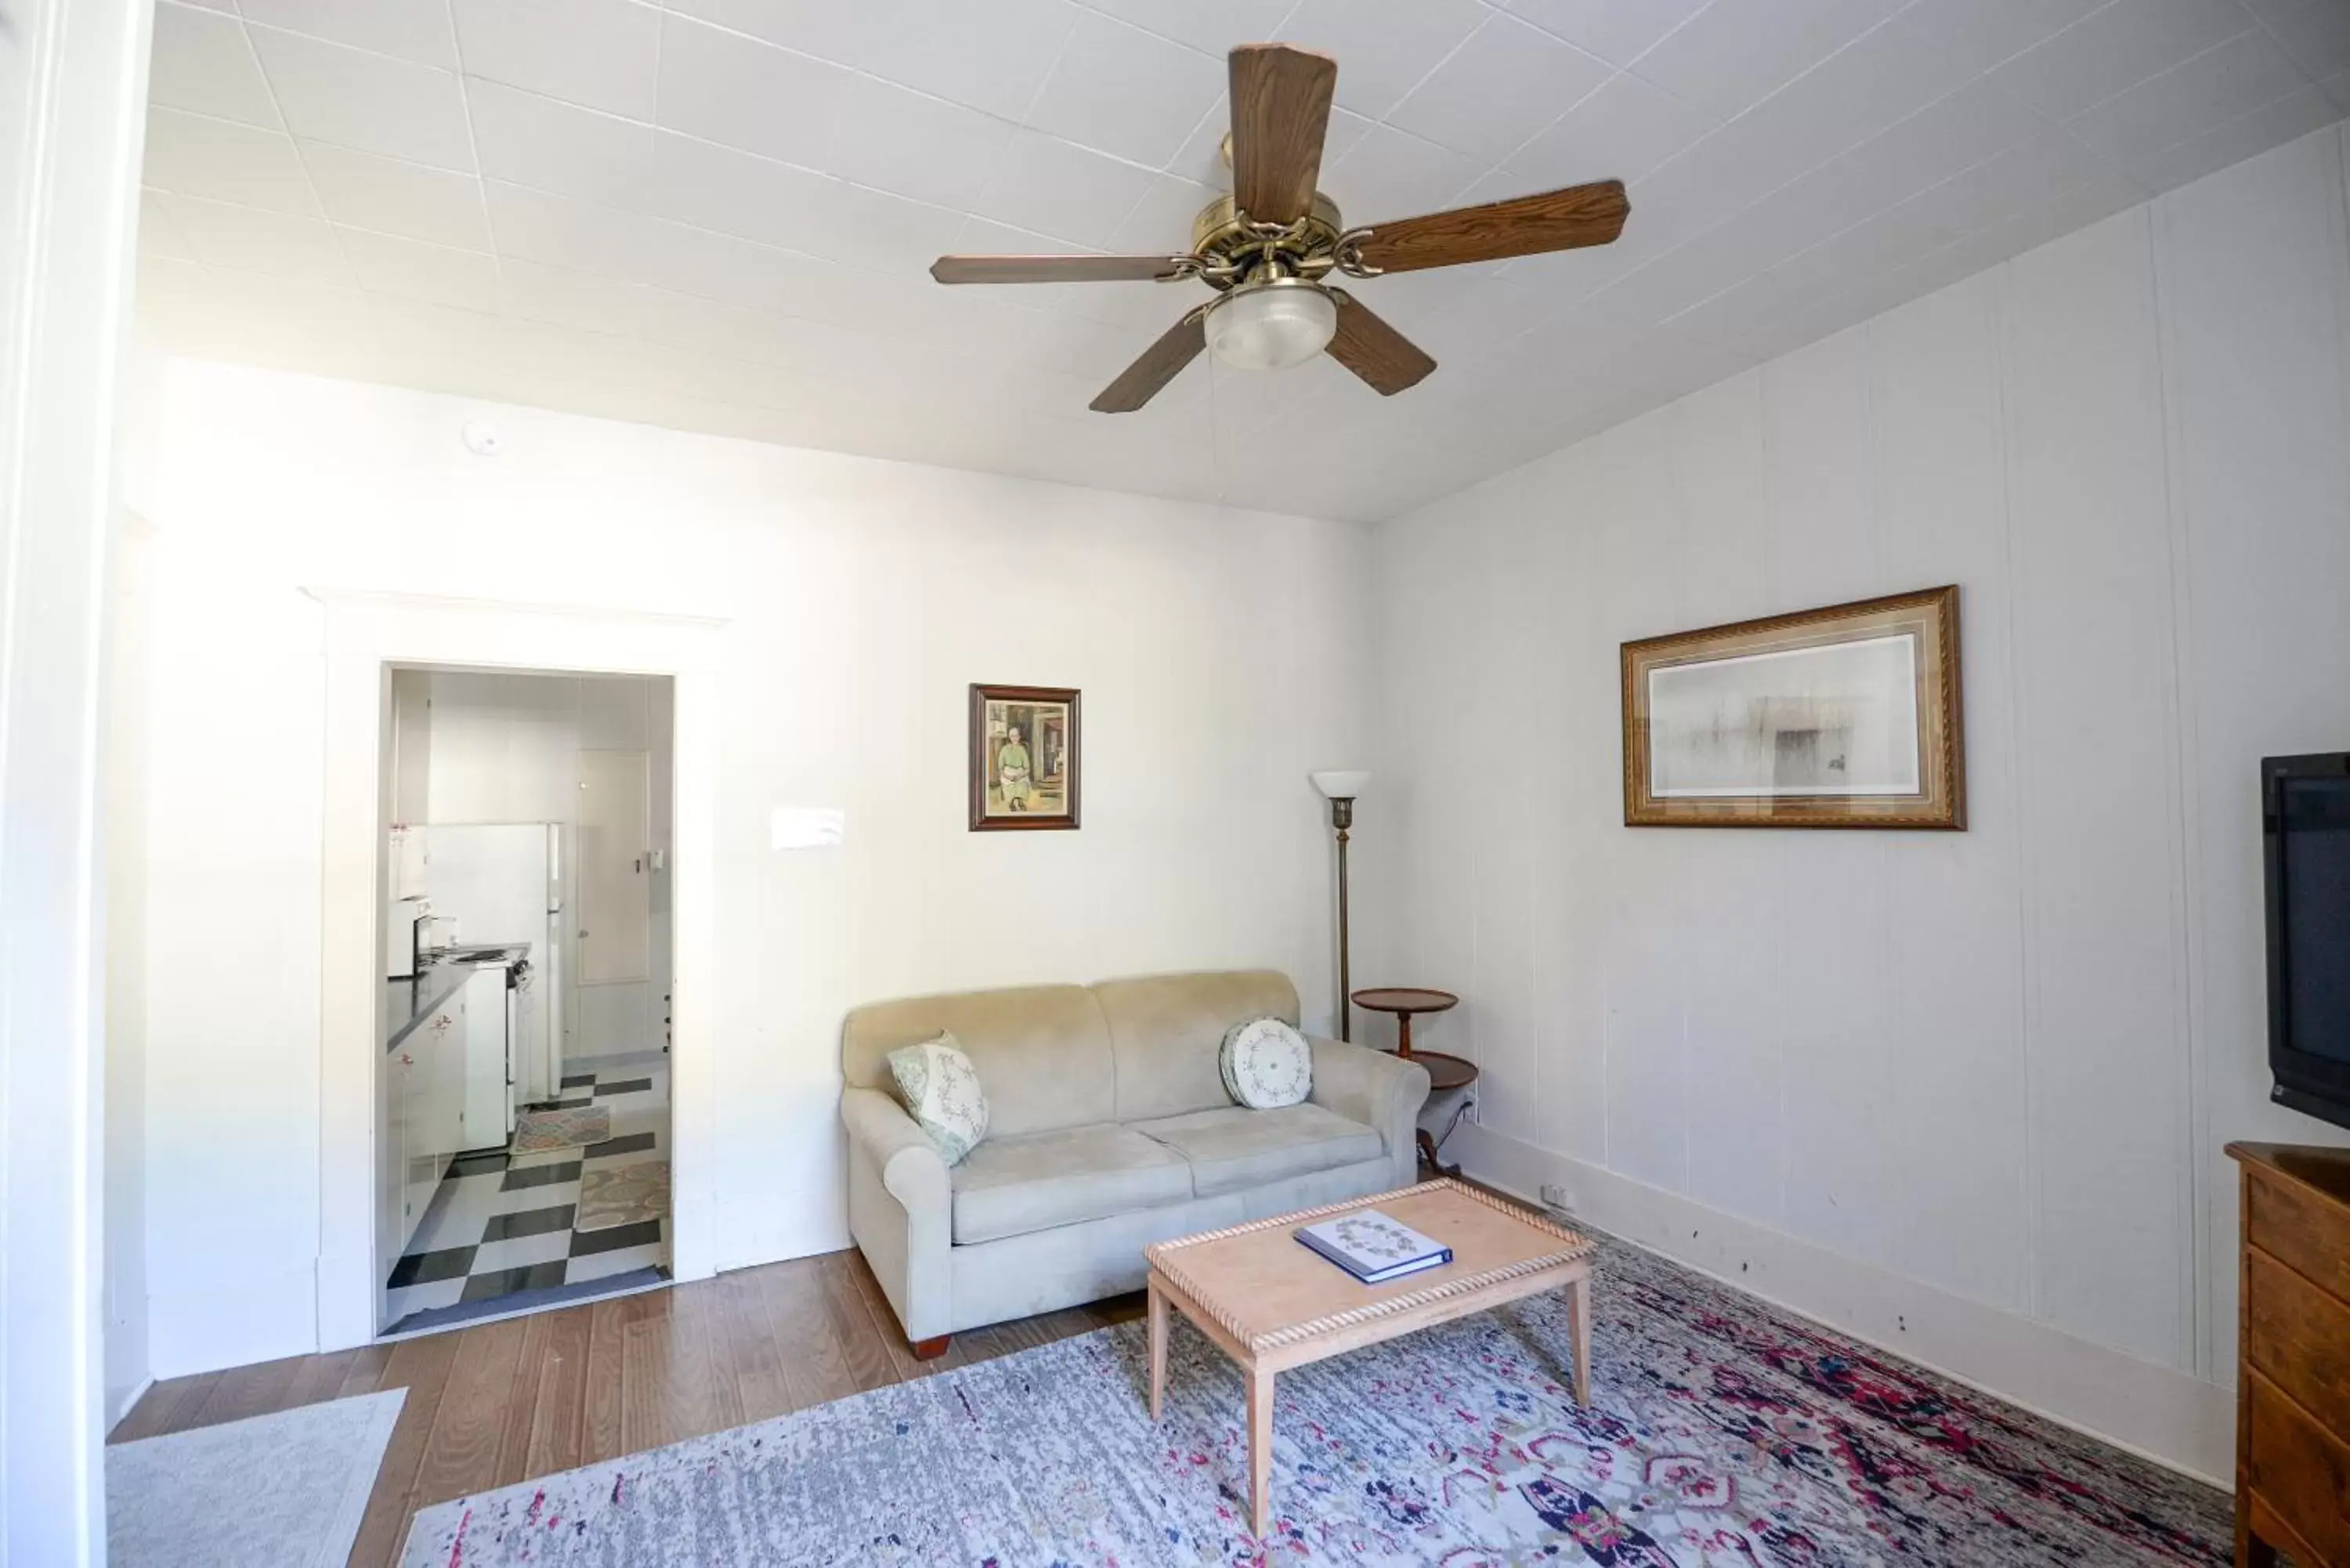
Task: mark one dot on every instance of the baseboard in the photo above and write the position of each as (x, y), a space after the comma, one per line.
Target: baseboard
(649, 1056)
(263, 1318)
(2160, 1413)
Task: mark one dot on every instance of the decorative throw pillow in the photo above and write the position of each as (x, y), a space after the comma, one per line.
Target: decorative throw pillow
(941, 1092)
(1266, 1064)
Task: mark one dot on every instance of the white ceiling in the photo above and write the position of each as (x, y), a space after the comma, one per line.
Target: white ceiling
(717, 215)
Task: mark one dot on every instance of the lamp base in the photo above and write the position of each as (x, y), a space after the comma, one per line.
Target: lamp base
(1341, 817)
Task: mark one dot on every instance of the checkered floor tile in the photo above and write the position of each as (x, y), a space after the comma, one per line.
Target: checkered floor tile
(501, 1223)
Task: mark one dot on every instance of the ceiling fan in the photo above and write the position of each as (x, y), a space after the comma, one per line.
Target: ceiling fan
(1268, 249)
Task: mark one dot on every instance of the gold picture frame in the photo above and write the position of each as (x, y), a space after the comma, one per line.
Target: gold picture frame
(1024, 758)
(1848, 716)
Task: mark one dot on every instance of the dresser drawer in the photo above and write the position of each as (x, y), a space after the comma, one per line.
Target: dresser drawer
(2299, 1338)
(2297, 1226)
(2300, 1470)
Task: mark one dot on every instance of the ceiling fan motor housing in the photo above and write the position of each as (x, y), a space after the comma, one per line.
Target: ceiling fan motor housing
(1235, 246)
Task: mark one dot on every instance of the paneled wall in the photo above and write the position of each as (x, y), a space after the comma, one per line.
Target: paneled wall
(1998, 1065)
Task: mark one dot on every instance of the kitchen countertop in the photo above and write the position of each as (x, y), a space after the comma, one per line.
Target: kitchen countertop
(408, 1002)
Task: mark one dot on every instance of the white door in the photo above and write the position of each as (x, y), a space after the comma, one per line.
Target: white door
(449, 1085)
(487, 1098)
(392, 1227)
(612, 899)
(549, 1026)
(433, 1060)
(410, 1108)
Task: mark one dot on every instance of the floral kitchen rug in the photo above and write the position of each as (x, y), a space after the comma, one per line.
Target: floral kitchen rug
(629, 1196)
(538, 1131)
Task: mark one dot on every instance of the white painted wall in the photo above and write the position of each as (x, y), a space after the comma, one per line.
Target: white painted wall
(1964, 1092)
(1222, 655)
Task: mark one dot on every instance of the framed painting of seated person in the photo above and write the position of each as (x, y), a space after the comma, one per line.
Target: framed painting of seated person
(1024, 758)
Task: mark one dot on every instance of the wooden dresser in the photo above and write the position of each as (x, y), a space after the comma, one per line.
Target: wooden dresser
(2292, 1409)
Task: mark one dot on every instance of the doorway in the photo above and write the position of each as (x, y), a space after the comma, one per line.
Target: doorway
(365, 635)
(523, 1108)
(525, 1094)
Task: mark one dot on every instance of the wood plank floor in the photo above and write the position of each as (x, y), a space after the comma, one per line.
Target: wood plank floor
(499, 1402)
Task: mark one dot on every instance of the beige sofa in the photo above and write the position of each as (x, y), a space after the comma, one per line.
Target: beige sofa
(1109, 1129)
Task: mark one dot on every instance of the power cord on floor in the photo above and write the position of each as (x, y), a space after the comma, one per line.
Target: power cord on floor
(1468, 1099)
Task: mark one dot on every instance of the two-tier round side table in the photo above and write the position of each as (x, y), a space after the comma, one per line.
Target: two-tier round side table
(1445, 1073)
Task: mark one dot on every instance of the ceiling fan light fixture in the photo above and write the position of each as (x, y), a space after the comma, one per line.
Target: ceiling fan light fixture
(1272, 324)
(1266, 245)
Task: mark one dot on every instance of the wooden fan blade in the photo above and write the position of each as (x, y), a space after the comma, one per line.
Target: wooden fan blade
(1140, 382)
(1524, 226)
(1280, 113)
(1055, 269)
(1377, 352)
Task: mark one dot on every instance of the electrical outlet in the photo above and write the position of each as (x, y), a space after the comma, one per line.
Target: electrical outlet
(1554, 1195)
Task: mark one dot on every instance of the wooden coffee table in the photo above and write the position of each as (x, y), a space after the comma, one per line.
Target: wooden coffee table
(1270, 1302)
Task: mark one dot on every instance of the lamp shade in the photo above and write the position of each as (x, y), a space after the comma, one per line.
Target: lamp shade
(1341, 784)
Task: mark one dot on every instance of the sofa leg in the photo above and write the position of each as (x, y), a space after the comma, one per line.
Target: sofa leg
(931, 1349)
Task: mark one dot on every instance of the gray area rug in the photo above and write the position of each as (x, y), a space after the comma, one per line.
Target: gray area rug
(1722, 1434)
(288, 1488)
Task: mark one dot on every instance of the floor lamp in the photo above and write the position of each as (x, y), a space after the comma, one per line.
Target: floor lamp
(1340, 787)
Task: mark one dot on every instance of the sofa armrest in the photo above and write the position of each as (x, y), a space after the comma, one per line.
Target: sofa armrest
(900, 1209)
(1379, 1090)
(903, 1156)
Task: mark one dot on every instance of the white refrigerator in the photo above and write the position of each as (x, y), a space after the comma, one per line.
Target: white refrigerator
(507, 883)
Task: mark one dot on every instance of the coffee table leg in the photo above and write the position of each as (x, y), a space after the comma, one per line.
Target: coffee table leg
(1578, 1305)
(1260, 1415)
(1158, 1348)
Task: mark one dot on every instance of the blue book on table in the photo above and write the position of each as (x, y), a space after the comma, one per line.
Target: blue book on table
(1374, 1248)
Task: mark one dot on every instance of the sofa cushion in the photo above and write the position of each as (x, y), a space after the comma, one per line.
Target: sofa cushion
(1236, 1147)
(1266, 1064)
(1011, 1186)
(1166, 1030)
(941, 1091)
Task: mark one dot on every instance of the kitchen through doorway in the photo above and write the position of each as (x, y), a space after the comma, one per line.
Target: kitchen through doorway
(523, 1102)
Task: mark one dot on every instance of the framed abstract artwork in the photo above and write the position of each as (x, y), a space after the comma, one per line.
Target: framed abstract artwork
(1843, 717)
(1024, 758)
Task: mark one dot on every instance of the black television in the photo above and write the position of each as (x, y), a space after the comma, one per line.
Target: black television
(2305, 815)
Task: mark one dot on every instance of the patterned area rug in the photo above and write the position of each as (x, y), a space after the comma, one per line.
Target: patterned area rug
(1722, 1434)
(629, 1196)
(535, 1132)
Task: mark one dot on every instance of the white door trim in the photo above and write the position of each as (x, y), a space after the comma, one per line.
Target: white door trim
(73, 92)
(366, 633)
